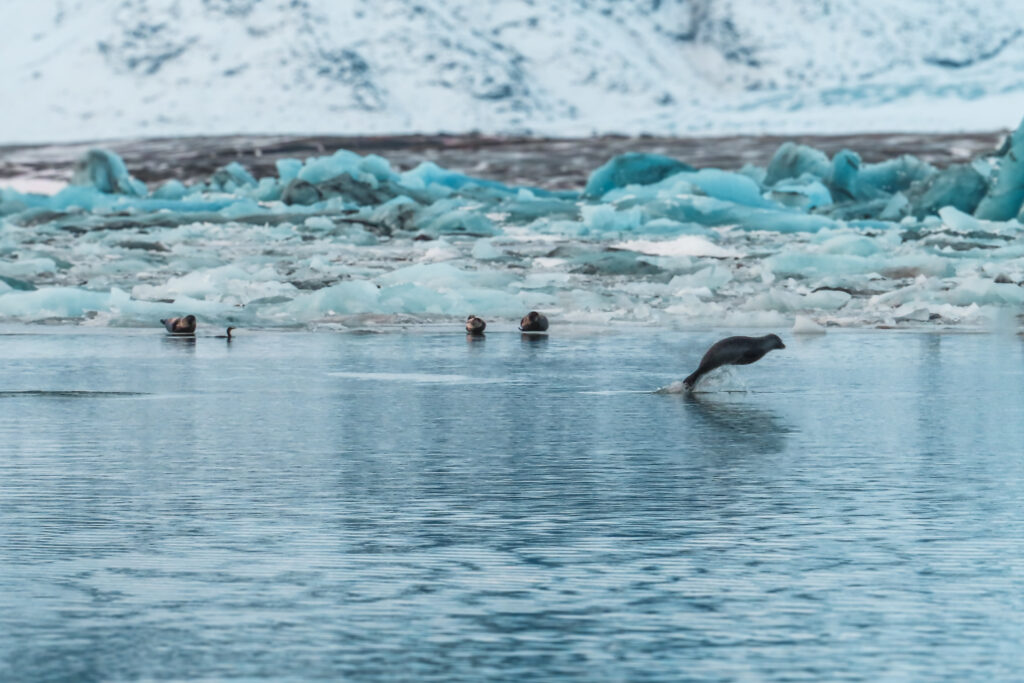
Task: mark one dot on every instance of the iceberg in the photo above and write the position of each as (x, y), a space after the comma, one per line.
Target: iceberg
(632, 169)
(106, 172)
(793, 161)
(1006, 195)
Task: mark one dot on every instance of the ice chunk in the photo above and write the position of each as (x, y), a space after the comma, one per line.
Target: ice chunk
(27, 267)
(484, 250)
(343, 162)
(288, 169)
(805, 325)
(398, 214)
(523, 209)
(10, 283)
(711, 278)
(604, 218)
(805, 193)
(959, 186)
(454, 215)
(714, 212)
(851, 243)
(826, 299)
(632, 168)
(614, 262)
(976, 228)
(440, 182)
(685, 245)
(52, 302)
(895, 175)
(849, 180)
(792, 161)
(301, 192)
(352, 296)
(896, 208)
(232, 178)
(843, 177)
(1004, 199)
(106, 172)
(172, 189)
(319, 223)
(976, 290)
(441, 276)
(730, 187)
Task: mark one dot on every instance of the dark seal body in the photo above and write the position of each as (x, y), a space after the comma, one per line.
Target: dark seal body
(186, 325)
(734, 351)
(533, 322)
(475, 325)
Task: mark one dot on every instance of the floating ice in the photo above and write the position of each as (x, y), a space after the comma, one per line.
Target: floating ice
(107, 173)
(1004, 199)
(793, 161)
(632, 169)
(650, 240)
(805, 325)
(686, 245)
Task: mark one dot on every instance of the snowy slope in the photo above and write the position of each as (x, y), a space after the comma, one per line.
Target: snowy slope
(80, 69)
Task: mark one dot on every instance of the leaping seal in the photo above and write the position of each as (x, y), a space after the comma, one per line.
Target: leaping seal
(533, 322)
(186, 325)
(734, 351)
(475, 325)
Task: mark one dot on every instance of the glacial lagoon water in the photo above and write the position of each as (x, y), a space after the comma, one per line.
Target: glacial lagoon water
(415, 505)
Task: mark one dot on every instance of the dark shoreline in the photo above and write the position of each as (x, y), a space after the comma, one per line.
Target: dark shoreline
(546, 162)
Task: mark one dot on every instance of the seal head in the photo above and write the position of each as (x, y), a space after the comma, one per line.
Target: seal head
(475, 325)
(185, 325)
(533, 322)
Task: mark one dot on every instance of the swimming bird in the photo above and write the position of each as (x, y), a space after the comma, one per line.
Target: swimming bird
(475, 325)
(533, 322)
(225, 336)
(734, 351)
(186, 325)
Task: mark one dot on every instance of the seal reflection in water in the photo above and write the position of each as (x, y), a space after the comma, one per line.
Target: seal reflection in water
(475, 325)
(186, 325)
(533, 322)
(734, 351)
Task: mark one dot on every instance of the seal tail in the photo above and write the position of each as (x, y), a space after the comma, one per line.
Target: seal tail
(692, 379)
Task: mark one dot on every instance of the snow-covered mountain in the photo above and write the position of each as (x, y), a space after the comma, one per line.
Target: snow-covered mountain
(82, 69)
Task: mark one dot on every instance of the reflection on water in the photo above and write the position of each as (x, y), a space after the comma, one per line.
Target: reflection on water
(728, 422)
(65, 393)
(410, 506)
(179, 341)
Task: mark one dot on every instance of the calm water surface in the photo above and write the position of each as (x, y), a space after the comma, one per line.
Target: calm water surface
(414, 505)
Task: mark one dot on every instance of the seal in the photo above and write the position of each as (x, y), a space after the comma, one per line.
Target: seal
(225, 336)
(186, 325)
(734, 351)
(475, 325)
(533, 322)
